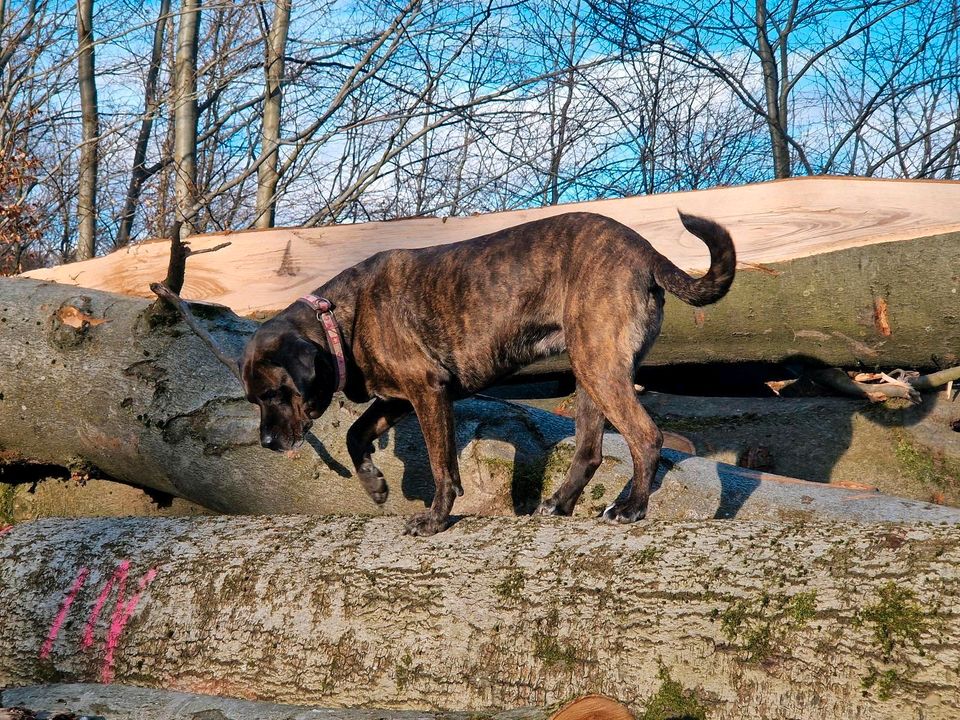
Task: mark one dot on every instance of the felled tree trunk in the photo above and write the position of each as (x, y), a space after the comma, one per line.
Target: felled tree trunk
(89, 378)
(881, 305)
(744, 620)
(844, 271)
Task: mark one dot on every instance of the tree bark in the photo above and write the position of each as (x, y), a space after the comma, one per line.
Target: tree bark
(185, 117)
(87, 186)
(139, 173)
(267, 175)
(746, 619)
(93, 378)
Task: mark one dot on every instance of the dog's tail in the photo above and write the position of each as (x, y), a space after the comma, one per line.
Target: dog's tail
(723, 261)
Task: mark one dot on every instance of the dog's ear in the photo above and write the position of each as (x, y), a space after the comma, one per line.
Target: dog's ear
(300, 362)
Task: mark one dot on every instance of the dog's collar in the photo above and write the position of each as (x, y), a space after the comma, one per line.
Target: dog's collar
(324, 310)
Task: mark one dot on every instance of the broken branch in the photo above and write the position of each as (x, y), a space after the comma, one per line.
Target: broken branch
(162, 291)
(838, 380)
(221, 246)
(936, 379)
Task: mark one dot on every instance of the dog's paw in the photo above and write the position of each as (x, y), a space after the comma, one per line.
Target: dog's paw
(425, 524)
(373, 482)
(622, 513)
(550, 507)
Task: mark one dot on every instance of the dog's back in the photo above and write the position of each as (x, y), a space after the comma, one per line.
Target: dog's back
(484, 307)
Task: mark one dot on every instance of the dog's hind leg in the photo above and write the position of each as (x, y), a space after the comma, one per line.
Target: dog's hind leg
(606, 372)
(435, 411)
(374, 422)
(644, 439)
(586, 458)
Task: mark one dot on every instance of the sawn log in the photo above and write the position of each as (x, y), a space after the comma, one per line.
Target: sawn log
(745, 619)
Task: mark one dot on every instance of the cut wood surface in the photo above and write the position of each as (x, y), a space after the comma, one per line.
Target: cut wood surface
(742, 619)
(92, 379)
(769, 222)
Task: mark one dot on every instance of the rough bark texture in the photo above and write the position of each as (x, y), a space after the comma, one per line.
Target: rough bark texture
(752, 619)
(117, 702)
(86, 380)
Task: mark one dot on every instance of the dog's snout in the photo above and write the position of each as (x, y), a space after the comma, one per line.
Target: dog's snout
(268, 441)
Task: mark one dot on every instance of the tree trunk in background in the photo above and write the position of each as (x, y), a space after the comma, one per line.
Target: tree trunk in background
(185, 117)
(747, 619)
(267, 175)
(89, 378)
(776, 111)
(87, 186)
(139, 173)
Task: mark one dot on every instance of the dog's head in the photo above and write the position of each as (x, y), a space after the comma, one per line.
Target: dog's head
(290, 378)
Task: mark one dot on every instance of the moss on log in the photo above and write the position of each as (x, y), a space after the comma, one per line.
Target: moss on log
(745, 619)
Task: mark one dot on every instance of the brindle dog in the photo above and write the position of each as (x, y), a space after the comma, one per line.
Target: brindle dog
(421, 328)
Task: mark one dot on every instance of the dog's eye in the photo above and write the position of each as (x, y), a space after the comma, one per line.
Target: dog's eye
(270, 396)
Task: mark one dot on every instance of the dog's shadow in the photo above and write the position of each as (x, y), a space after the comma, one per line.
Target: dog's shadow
(803, 437)
(525, 436)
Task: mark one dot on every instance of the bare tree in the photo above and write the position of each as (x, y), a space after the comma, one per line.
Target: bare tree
(276, 45)
(766, 53)
(87, 190)
(185, 117)
(139, 173)
(369, 109)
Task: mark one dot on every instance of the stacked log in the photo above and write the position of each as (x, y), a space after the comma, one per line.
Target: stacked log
(742, 619)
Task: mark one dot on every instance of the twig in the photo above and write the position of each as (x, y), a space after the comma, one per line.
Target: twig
(206, 250)
(181, 306)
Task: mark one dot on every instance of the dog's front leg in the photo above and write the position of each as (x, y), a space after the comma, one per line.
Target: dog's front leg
(374, 422)
(435, 411)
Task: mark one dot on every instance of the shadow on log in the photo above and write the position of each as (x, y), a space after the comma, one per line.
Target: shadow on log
(745, 619)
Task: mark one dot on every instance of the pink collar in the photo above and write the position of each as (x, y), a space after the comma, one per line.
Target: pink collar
(324, 310)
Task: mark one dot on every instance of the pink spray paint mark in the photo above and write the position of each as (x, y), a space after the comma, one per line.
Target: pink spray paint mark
(4, 529)
(121, 614)
(121, 617)
(120, 574)
(62, 613)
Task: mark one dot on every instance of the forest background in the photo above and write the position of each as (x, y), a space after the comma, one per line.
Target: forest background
(123, 120)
